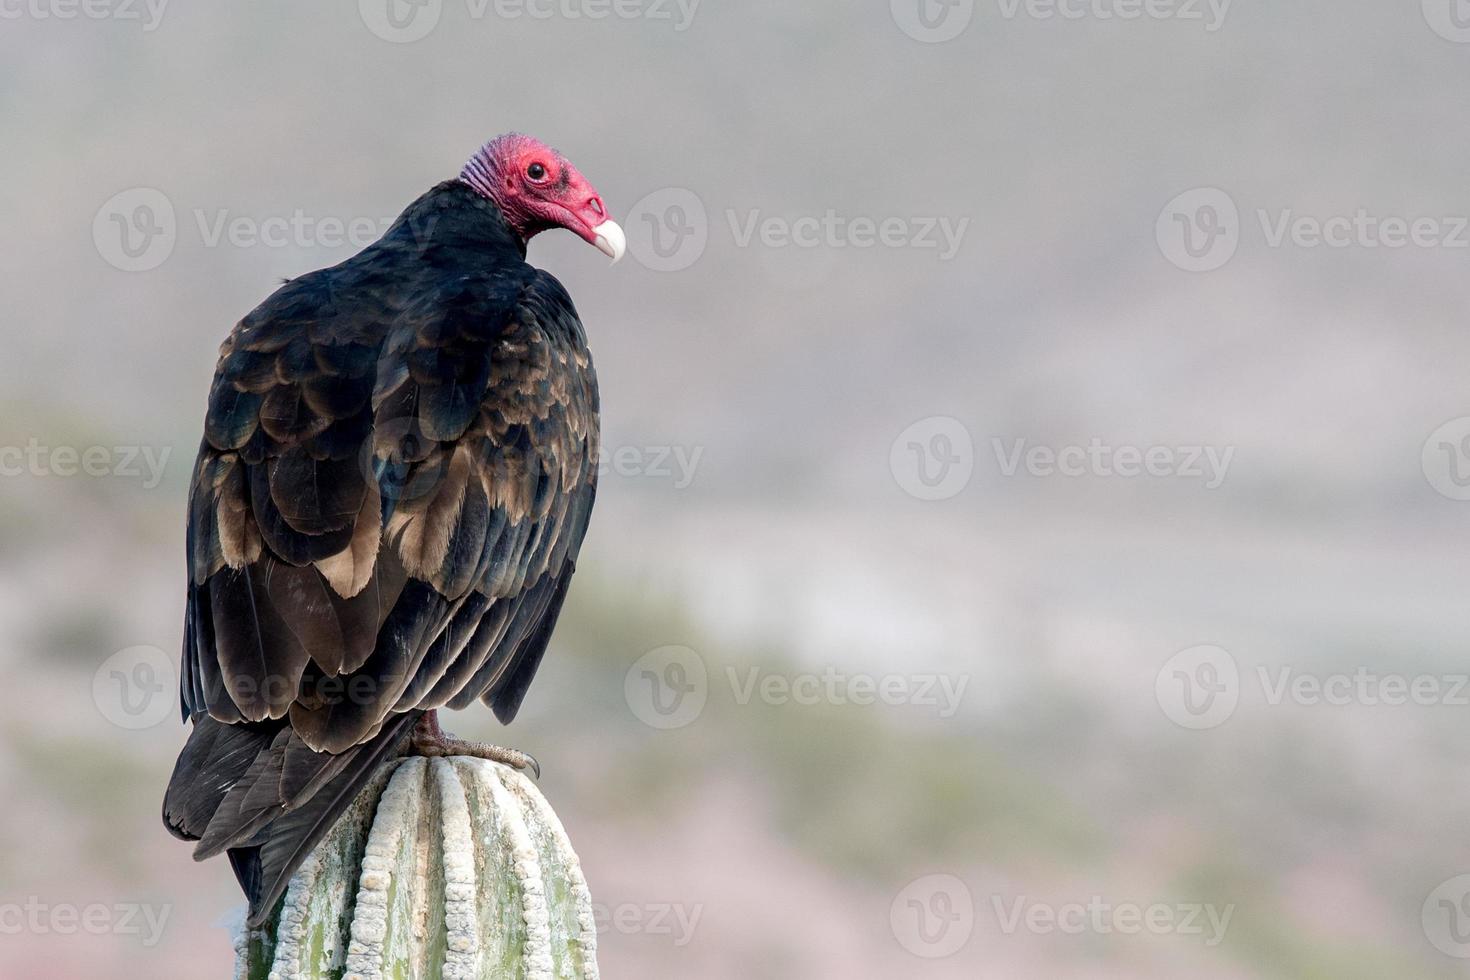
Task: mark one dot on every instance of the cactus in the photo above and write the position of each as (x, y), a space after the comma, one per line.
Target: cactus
(452, 867)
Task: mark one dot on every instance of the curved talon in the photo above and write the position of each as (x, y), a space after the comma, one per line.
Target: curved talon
(432, 741)
(515, 758)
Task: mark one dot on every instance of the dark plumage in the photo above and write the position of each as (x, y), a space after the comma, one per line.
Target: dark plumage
(398, 466)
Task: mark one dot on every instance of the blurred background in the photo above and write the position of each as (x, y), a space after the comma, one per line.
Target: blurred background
(1032, 541)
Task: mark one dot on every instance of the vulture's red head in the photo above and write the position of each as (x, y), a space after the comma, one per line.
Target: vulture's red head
(537, 188)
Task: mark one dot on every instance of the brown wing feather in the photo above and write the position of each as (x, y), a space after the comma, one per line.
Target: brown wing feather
(399, 459)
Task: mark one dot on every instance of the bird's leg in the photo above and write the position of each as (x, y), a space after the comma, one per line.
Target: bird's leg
(429, 739)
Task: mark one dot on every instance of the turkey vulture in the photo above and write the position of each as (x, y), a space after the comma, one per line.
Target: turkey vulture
(398, 465)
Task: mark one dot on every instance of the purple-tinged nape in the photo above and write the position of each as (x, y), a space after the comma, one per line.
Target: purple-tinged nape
(532, 201)
(484, 171)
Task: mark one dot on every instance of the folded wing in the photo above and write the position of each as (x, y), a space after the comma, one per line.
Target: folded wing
(384, 516)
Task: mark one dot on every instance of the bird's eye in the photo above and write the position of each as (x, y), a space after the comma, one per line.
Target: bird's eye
(536, 172)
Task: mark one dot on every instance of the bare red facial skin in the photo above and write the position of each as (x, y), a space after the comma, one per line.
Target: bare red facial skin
(536, 187)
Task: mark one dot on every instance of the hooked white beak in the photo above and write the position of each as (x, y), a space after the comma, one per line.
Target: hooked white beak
(611, 240)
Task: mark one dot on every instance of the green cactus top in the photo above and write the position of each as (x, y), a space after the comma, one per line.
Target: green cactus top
(453, 868)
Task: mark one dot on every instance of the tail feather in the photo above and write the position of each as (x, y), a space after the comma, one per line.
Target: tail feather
(250, 804)
(258, 792)
(211, 763)
(292, 836)
(245, 861)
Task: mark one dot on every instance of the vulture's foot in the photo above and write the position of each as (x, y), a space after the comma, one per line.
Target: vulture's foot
(430, 740)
